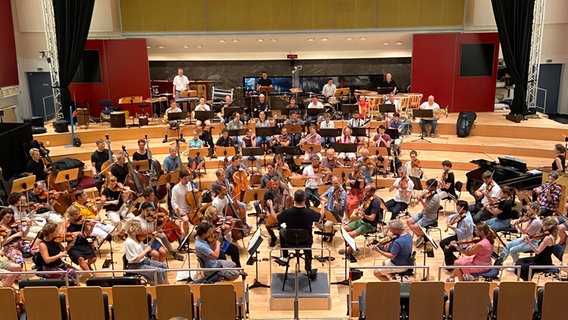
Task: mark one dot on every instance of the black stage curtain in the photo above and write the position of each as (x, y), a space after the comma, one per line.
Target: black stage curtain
(72, 22)
(514, 20)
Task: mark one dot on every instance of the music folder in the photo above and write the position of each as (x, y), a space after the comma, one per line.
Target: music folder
(177, 115)
(204, 115)
(387, 108)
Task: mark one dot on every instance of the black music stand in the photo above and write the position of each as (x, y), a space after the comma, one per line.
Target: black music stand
(330, 132)
(266, 90)
(349, 243)
(422, 113)
(393, 133)
(177, 115)
(237, 133)
(314, 111)
(329, 216)
(345, 147)
(252, 249)
(426, 252)
(348, 109)
(229, 111)
(204, 115)
(286, 111)
(290, 150)
(251, 152)
(387, 108)
(359, 132)
(254, 195)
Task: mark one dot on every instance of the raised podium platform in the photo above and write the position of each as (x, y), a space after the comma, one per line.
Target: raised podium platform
(318, 299)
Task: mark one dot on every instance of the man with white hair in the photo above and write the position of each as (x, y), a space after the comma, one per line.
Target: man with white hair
(429, 105)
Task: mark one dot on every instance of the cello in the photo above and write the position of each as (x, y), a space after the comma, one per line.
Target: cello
(155, 171)
(136, 181)
(241, 229)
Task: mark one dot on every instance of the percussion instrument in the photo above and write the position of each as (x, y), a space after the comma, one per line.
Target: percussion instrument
(143, 120)
(118, 119)
(82, 116)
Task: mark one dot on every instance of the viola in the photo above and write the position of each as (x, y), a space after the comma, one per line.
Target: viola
(539, 235)
(416, 164)
(456, 220)
(170, 228)
(386, 240)
(403, 183)
(428, 194)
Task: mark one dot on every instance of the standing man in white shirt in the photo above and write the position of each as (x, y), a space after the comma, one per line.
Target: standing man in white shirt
(181, 83)
(328, 89)
(429, 105)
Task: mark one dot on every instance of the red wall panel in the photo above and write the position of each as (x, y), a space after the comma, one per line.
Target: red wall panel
(435, 71)
(8, 61)
(124, 69)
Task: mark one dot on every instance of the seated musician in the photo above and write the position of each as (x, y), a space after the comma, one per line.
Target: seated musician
(208, 250)
(171, 161)
(429, 105)
(559, 162)
(249, 141)
(347, 138)
(52, 251)
(178, 202)
(141, 153)
(264, 141)
(275, 200)
(43, 208)
(370, 212)
(298, 217)
(271, 174)
(447, 183)
(136, 252)
(478, 254)
(173, 124)
(228, 104)
(489, 193)
(149, 222)
(461, 224)
(398, 252)
(314, 104)
(430, 201)
(262, 104)
(119, 168)
(549, 195)
(237, 165)
(225, 141)
(402, 195)
(9, 279)
(328, 89)
(12, 242)
(313, 176)
(36, 166)
(202, 106)
(413, 166)
(383, 140)
(220, 181)
(396, 103)
(114, 198)
(397, 124)
(363, 107)
(236, 124)
(335, 199)
(327, 142)
(356, 181)
(90, 210)
(98, 158)
(331, 161)
(311, 138)
(519, 245)
(543, 250)
(501, 209)
(367, 164)
(15, 203)
(356, 121)
(223, 226)
(293, 104)
(81, 252)
(282, 140)
(196, 163)
(281, 166)
(295, 120)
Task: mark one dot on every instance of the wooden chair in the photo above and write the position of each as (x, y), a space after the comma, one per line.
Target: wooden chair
(173, 301)
(214, 295)
(553, 300)
(86, 303)
(514, 300)
(131, 302)
(380, 294)
(8, 304)
(426, 300)
(44, 303)
(469, 301)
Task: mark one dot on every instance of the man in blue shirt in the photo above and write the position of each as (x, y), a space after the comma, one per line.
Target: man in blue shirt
(397, 254)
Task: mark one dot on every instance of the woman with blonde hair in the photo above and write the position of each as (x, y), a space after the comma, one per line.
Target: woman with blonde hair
(223, 226)
(544, 250)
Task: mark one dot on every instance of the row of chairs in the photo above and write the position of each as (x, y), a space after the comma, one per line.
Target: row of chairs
(126, 302)
(466, 301)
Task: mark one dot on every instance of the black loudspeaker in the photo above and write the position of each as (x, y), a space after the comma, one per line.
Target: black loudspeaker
(43, 283)
(34, 121)
(61, 126)
(113, 281)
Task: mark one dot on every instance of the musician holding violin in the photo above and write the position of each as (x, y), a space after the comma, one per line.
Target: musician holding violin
(447, 182)
(478, 253)
(462, 225)
(335, 199)
(76, 232)
(312, 137)
(12, 240)
(44, 201)
(398, 251)
(119, 169)
(543, 250)
(223, 228)
(488, 192)
(370, 212)
(89, 209)
(501, 209)
(51, 251)
(356, 181)
(402, 187)
(533, 226)
(414, 166)
(313, 175)
(549, 195)
(114, 198)
(136, 253)
(430, 201)
(383, 140)
(249, 141)
(149, 223)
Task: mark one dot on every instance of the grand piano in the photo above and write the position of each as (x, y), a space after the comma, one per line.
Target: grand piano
(508, 171)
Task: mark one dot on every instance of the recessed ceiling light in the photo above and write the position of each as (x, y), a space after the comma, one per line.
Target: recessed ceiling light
(386, 43)
(324, 39)
(222, 40)
(349, 38)
(310, 39)
(399, 43)
(186, 46)
(273, 39)
(161, 47)
(260, 40)
(235, 40)
(199, 46)
(362, 38)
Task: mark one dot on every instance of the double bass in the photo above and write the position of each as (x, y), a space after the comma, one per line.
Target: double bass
(136, 181)
(241, 229)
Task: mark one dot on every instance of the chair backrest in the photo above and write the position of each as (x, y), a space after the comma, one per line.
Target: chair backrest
(470, 301)
(43, 303)
(554, 300)
(8, 304)
(296, 237)
(558, 251)
(515, 300)
(458, 186)
(87, 303)
(174, 301)
(383, 293)
(426, 300)
(214, 295)
(130, 302)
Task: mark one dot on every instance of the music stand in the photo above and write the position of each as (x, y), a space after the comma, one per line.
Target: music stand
(313, 148)
(24, 184)
(329, 132)
(254, 195)
(174, 177)
(393, 133)
(349, 243)
(335, 219)
(141, 165)
(345, 147)
(252, 249)
(251, 152)
(164, 178)
(177, 115)
(265, 131)
(314, 111)
(341, 92)
(237, 133)
(290, 150)
(349, 109)
(343, 173)
(359, 132)
(67, 175)
(293, 128)
(422, 113)
(425, 244)
(229, 111)
(286, 111)
(204, 115)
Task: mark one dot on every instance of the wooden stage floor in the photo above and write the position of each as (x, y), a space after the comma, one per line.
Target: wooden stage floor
(492, 136)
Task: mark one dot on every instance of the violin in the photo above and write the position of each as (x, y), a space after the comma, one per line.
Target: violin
(456, 220)
(489, 187)
(427, 194)
(52, 194)
(403, 185)
(469, 240)
(539, 235)
(416, 164)
(67, 237)
(143, 235)
(384, 241)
